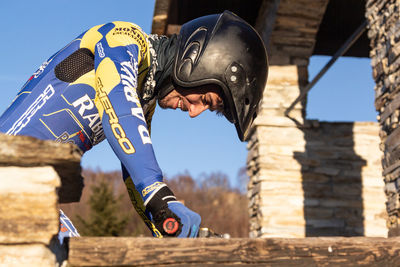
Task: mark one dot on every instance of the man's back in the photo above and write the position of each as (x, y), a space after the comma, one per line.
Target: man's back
(59, 102)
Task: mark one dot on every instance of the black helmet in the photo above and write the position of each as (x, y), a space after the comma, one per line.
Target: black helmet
(225, 50)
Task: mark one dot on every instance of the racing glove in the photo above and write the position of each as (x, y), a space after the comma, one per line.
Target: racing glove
(171, 217)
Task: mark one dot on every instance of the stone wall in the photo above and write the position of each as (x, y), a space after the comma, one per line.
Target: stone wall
(384, 32)
(35, 176)
(322, 179)
(275, 190)
(29, 217)
(341, 180)
(308, 178)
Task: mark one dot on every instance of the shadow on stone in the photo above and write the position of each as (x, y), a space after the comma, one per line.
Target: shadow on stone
(331, 180)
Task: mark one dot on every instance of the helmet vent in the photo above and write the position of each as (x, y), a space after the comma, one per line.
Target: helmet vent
(191, 53)
(235, 75)
(186, 69)
(246, 101)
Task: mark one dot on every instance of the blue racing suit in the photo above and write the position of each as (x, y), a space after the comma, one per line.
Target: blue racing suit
(90, 90)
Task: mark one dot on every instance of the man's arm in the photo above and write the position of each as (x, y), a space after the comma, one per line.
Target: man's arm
(117, 58)
(138, 204)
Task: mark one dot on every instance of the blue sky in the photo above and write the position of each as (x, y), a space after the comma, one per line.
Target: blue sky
(33, 30)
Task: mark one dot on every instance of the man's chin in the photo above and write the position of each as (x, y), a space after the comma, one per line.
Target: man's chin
(162, 104)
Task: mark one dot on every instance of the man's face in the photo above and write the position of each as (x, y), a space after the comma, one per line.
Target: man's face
(194, 100)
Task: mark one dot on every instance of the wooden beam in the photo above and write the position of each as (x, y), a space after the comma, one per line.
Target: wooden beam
(329, 251)
(266, 20)
(25, 151)
(160, 17)
(173, 29)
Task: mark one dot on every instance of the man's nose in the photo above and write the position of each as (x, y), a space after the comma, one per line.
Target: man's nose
(196, 110)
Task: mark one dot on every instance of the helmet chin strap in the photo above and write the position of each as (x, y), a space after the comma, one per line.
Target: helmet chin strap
(163, 51)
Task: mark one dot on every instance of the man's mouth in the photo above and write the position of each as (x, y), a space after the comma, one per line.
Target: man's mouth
(180, 104)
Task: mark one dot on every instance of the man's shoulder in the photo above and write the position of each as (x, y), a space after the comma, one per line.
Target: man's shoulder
(117, 28)
(125, 27)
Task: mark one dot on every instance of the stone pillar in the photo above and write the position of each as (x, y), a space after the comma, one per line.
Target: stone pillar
(28, 215)
(366, 146)
(34, 176)
(384, 32)
(275, 188)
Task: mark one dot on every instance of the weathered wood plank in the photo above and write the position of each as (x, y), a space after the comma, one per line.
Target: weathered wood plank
(266, 20)
(160, 16)
(25, 151)
(173, 29)
(334, 251)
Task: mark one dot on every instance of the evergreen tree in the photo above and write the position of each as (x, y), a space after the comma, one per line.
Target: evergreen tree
(104, 218)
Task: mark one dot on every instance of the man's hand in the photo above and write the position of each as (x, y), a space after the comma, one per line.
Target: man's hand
(172, 218)
(189, 220)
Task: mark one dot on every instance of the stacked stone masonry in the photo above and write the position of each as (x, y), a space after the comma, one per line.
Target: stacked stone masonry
(319, 180)
(384, 33)
(296, 25)
(29, 218)
(274, 191)
(35, 176)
